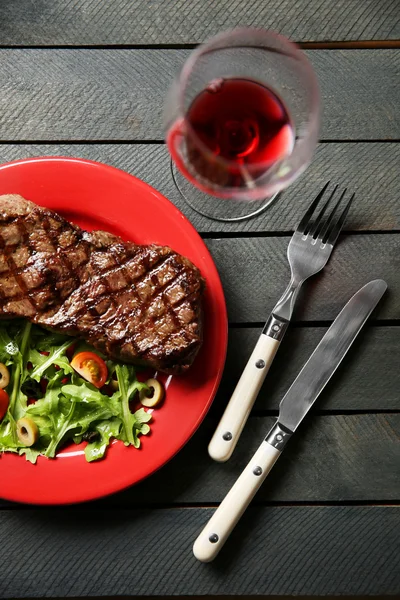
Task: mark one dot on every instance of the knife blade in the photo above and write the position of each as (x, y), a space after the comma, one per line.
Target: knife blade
(328, 354)
(293, 408)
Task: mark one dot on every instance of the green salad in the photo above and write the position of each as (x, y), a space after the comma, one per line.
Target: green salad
(45, 403)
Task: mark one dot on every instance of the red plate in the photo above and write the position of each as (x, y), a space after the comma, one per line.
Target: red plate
(96, 196)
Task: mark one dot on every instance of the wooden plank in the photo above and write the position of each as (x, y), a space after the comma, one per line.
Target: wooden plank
(119, 94)
(284, 551)
(371, 169)
(362, 451)
(251, 293)
(176, 21)
(353, 458)
(368, 379)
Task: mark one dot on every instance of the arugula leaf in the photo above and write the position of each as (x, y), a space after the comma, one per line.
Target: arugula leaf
(139, 425)
(107, 430)
(8, 438)
(31, 454)
(128, 386)
(8, 347)
(63, 424)
(76, 422)
(42, 340)
(18, 400)
(84, 392)
(45, 425)
(49, 404)
(65, 412)
(56, 357)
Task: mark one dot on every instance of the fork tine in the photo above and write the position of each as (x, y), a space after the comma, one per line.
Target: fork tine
(307, 216)
(316, 227)
(328, 225)
(334, 234)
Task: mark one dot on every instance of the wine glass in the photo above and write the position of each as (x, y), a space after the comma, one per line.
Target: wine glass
(242, 122)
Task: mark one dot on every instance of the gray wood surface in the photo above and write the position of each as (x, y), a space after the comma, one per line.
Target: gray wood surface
(309, 531)
(369, 169)
(286, 550)
(368, 378)
(251, 293)
(177, 21)
(119, 94)
(353, 458)
(332, 458)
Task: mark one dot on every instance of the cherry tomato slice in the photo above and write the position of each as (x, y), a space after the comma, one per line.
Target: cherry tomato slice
(91, 367)
(4, 402)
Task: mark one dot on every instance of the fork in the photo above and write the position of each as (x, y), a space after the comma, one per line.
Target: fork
(308, 252)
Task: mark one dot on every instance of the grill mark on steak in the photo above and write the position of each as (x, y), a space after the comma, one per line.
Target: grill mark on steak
(134, 282)
(15, 274)
(9, 249)
(144, 304)
(54, 240)
(134, 303)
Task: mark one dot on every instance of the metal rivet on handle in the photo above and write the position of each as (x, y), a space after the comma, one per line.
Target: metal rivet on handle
(257, 471)
(260, 364)
(213, 538)
(227, 436)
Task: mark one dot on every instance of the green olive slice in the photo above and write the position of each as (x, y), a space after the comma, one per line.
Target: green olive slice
(156, 396)
(27, 431)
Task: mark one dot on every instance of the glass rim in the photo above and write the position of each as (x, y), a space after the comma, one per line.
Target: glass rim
(292, 51)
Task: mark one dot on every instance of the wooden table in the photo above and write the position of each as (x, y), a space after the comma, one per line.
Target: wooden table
(84, 78)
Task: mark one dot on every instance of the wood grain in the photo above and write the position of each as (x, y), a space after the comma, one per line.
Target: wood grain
(129, 545)
(176, 21)
(368, 378)
(352, 458)
(77, 94)
(332, 458)
(251, 293)
(285, 550)
(369, 169)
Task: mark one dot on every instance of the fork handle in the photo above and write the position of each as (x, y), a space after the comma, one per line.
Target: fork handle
(238, 409)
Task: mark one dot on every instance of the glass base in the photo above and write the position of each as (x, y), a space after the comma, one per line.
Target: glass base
(218, 209)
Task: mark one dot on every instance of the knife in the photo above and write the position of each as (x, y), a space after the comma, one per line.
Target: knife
(293, 408)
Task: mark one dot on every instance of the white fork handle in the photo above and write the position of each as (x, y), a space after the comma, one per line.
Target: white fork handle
(236, 413)
(232, 507)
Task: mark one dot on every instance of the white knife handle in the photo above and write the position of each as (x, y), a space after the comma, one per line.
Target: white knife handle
(219, 527)
(238, 409)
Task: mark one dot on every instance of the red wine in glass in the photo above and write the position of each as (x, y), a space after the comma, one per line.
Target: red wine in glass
(242, 122)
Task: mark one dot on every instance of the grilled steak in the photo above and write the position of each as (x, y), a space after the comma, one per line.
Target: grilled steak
(139, 304)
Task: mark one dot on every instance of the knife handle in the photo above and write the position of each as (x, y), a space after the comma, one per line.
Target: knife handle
(232, 507)
(239, 406)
